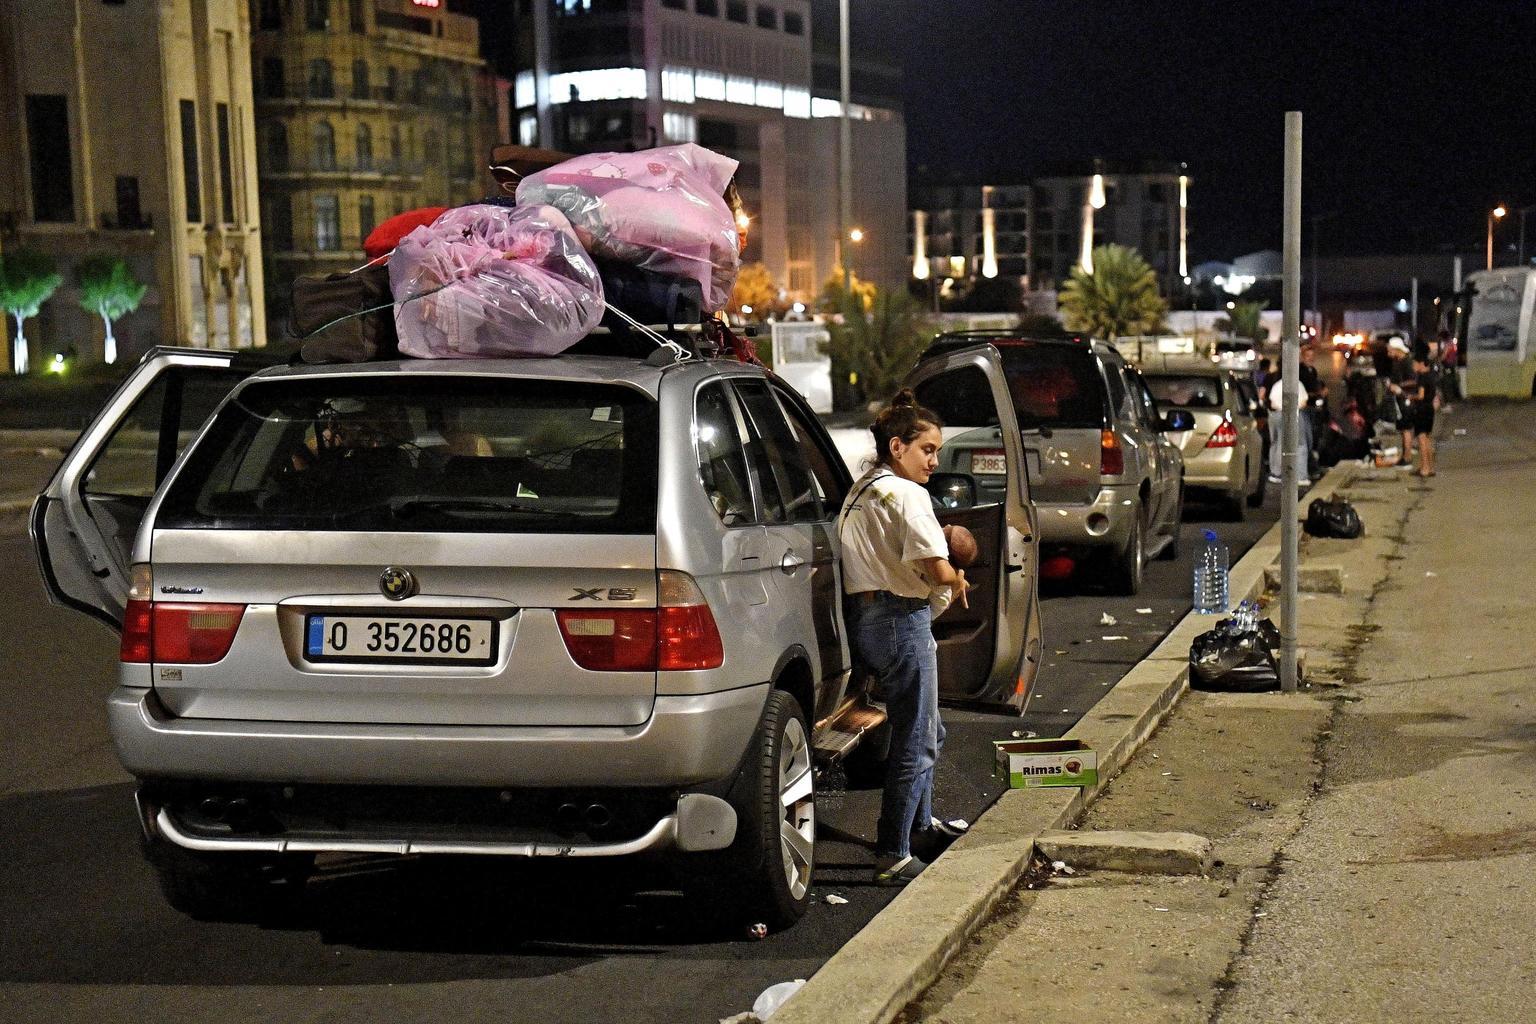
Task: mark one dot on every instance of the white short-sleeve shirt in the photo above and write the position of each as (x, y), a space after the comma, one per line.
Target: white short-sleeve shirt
(887, 527)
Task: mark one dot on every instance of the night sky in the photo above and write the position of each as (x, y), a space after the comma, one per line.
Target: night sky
(1419, 116)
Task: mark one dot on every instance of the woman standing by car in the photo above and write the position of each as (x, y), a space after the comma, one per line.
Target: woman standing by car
(897, 576)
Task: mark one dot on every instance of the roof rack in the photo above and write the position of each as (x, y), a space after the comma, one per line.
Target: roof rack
(948, 340)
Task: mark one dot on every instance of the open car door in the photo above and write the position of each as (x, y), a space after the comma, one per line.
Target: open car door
(83, 524)
(988, 653)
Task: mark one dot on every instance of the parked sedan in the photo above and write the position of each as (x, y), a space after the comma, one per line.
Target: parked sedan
(1224, 451)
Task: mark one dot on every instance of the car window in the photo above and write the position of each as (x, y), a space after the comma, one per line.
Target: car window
(790, 492)
(1191, 392)
(144, 446)
(418, 453)
(1118, 396)
(829, 483)
(1054, 386)
(722, 459)
(1146, 404)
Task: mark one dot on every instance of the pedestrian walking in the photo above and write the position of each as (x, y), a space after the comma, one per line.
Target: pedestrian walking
(897, 576)
(1422, 392)
(1400, 385)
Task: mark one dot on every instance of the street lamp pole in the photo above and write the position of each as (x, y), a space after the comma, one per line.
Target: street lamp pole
(1497, 213)
(845, 144)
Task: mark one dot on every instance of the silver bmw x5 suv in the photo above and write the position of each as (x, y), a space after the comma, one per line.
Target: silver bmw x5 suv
(585, 606)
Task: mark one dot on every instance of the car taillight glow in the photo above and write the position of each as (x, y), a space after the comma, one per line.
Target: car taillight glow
(610, 640)
(1111, 455)
(1224, 436)
(679, 635)
(178, 633)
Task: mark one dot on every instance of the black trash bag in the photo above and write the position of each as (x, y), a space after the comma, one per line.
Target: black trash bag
(1233, 661)
(1333, 517)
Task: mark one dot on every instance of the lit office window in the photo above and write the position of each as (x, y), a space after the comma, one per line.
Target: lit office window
(797, 102)
(770, 94)
(677, 84)
(740, 89)
(679, 127)
(605, 84)
(522, 91)
(709, 85)
(826, 108)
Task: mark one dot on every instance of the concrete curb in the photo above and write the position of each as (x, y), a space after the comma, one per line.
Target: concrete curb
(900, 953)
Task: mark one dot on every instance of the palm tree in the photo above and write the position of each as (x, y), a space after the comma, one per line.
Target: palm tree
(1119, 296)
(108, 289)
(27, 280)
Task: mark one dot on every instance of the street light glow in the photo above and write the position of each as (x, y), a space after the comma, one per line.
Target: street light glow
(856, 235)
(1499, 212)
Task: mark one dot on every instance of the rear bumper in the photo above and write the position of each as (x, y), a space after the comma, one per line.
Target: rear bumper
(1216, 469)
(1104, 522)
(688, 740)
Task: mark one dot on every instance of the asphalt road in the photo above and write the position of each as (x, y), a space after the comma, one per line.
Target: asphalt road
(86, 935)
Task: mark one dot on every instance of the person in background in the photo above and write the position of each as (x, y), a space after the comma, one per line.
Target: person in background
(1399, 373)
(1423, 391)
(897, 576)
(1449, 391)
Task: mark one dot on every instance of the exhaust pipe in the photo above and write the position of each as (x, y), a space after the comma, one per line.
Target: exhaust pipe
(598, 816)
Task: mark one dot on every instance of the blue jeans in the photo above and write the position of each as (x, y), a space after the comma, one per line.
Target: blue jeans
(894, 638)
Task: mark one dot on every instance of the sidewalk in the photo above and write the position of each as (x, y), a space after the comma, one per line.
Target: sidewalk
(1375, 837)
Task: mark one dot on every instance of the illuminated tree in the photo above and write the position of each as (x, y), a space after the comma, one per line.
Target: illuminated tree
(27, 280)
(108, 289)
(1118, 297)
(872, 346)
(755, 290)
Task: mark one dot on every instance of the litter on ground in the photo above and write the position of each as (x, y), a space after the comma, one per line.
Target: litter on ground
(836, 900)
(1107, 619)
(1143, 611)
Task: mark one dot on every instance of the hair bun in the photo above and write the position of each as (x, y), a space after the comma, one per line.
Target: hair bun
(904, 398)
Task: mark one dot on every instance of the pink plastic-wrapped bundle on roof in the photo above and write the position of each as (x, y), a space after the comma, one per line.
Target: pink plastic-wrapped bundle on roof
(493, 281)
(660, 209)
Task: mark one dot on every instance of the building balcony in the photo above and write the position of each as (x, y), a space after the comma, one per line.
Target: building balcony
(308, 94)
(341, 170)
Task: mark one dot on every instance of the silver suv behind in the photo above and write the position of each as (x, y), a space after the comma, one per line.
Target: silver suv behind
(586, 606)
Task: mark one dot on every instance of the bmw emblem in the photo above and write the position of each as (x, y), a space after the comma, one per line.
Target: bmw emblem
(397, 584)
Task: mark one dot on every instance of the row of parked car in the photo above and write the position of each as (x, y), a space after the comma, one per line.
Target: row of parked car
(583, 606)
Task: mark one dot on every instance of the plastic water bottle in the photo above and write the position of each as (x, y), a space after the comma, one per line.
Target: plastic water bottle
(1211, 576)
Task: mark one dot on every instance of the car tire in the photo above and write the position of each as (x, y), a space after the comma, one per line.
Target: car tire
(764, 876)
(1236, 506)
(1129, 564)
(226, 886)
(1170, 550)
(1256, 499)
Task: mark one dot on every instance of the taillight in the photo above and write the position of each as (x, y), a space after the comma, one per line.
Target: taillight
(616, 640)
(1111, 455)
(180, 633)
(194, 634)
(677, 636)
(1225, 436)
(687, 638)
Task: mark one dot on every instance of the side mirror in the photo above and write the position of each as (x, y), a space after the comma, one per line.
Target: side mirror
(952, 490)
(1179, 420)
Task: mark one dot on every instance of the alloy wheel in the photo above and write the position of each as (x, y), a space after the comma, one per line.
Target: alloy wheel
(797, 803)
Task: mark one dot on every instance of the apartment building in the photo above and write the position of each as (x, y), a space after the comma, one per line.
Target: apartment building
(127, 128)
(365, 109)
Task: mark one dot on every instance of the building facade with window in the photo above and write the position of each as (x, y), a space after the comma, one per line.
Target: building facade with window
(149, 157)
(365, 109)
(745, 78)
(1038, 231)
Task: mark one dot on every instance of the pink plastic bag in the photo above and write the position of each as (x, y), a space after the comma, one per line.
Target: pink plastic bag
(493, 281)
(660, 209)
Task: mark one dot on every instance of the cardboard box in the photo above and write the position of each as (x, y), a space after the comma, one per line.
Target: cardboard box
(1029, 764)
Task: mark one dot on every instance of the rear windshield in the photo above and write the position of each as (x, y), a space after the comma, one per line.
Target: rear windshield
(1186, 392)
(423, 454)
(1054, 386)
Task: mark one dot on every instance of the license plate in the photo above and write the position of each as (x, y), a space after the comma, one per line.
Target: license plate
(993, 463)
(400, 640)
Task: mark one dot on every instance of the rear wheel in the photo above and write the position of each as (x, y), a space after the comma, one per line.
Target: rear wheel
(1128, 566)
(1236, 506)
(1256, 499)
(1170, 551)
(765, 874)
